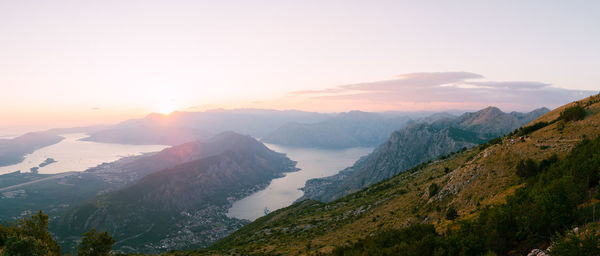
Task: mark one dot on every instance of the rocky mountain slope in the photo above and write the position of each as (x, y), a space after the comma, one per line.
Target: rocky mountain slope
(182, 206)
(415, 144)
(447, 192)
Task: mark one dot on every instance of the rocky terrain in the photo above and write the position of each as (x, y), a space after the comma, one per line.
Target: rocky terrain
(415, 144)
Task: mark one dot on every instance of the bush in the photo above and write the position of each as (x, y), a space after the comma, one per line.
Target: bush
(527, 168)
(573, 113)
(433, 189)
(451, 213)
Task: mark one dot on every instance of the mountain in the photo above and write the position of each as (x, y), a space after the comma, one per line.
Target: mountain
(351, 129)
(181, 127)
(21, 192)
(290, 127)
(512, 196)
(13, 150)
(182, 206)
(415, 144)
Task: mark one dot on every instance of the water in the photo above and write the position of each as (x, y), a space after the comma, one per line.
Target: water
(282, 192)
(72, 154)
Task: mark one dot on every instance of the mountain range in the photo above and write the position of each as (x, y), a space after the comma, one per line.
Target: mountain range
(418, 143)
(534, 191)
(351, 129)
(290, 127)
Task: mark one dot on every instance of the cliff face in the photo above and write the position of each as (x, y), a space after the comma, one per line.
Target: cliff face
(416, 144)
(183, 206)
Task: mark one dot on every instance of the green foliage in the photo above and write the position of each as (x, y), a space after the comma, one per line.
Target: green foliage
(525, 130)
(577, 244)
(25, 246)
(29, 236)
(419, 239)
(95, 244)
(573, 113)
(527, 168)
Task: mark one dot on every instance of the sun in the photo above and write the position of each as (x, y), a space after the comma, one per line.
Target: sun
(165, 108)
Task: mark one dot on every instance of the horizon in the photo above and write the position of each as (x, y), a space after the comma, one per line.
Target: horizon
(14, 131)
(68, 64)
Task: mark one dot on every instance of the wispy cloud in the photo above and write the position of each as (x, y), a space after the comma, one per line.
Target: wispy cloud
(443, 90)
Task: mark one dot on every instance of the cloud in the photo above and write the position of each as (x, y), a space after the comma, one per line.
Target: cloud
(444, 90)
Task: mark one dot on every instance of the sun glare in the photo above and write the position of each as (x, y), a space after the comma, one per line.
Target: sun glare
(165, 108)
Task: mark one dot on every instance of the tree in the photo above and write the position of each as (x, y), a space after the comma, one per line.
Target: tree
(25, 246)
(573, 113)
(29, 236)
(95, 244)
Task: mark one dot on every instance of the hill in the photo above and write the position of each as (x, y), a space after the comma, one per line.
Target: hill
(13, 150)
(485, 199)
(415, 144)
(182, 206)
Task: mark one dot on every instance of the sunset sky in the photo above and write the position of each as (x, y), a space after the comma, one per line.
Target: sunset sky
(66, 63)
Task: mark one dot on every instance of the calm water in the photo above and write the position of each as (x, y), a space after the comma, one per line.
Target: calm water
(72, 154)
(281, 192)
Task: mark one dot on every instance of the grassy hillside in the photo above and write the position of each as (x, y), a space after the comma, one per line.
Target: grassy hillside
(467, 182)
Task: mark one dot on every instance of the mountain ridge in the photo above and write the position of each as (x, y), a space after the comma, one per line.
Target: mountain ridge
(415, 144)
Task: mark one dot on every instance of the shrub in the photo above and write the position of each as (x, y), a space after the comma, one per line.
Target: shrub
(433, 189)
(527, 168)
(451, 213)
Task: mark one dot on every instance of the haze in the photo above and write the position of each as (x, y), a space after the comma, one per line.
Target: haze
(66, 63)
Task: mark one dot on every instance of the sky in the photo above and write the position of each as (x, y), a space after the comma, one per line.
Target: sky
(69, 63)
